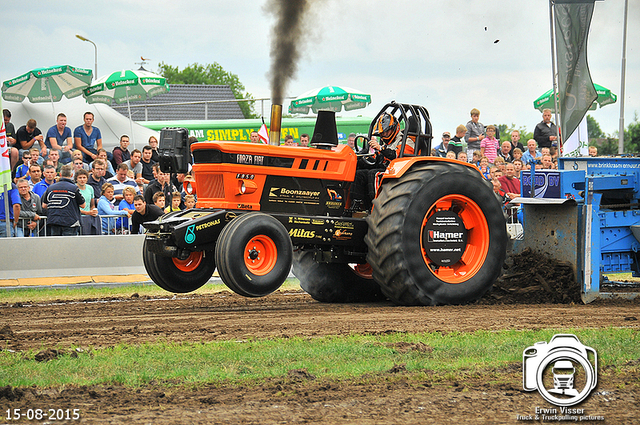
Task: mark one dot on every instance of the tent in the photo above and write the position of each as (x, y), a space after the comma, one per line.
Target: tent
(112, 124)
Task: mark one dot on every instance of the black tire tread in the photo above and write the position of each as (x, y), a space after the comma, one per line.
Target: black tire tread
(387, 234)
(167, 276)
(333, 282)
(231, 267)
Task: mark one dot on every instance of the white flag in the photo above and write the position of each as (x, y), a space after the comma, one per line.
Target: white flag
(264, 134)
(5, 161)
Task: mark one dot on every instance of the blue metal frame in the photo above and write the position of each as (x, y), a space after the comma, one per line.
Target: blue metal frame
(607, 193)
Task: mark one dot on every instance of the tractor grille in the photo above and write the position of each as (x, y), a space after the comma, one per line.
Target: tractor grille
(210, 186)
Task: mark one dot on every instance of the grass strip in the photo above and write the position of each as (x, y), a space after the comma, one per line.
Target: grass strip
(337, 357)
(40, 294)
(92, 291)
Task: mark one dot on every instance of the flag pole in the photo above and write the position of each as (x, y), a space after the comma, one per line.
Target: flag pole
(7, 220)
(130, 119)
(53, 108)
(572, 20)
(555, 76)
(622, 79)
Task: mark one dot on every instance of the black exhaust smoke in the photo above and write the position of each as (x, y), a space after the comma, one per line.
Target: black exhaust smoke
(288, 36)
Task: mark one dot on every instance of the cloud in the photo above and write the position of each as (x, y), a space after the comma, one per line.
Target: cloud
(430, 52)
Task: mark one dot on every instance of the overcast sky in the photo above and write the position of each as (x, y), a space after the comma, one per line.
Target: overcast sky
(449, 56)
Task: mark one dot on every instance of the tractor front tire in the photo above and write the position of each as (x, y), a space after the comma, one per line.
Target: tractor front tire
(334, 282)
(412, 259)
(179, 276)
(254, 254)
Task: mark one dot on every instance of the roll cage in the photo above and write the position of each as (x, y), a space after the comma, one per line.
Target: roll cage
(415, 123)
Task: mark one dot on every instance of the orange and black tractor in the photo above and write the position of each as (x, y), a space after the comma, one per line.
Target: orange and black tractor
(435, 233)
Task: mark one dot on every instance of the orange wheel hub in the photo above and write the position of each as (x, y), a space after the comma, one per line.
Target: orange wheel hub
(477, 243)
(260, 255)
(191, 263)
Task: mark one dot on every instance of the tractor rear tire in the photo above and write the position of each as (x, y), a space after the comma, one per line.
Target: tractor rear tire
(254, 254)
(179, 276)
(333, 282)
(400, 240)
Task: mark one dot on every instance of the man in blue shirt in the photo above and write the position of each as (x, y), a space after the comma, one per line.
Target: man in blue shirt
(532, 155)
(63, 201)
(14, 211)
(442, 148)
(88, 138)
(59, 137)
(49, 177)
(22, 170)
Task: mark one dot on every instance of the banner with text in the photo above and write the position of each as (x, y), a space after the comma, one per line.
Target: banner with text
(5, 160)
(575, 88)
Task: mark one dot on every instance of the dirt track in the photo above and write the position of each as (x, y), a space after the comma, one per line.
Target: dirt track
(396, 398)
(227, 316)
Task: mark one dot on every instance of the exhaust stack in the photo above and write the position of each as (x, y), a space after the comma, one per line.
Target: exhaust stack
(275, 125)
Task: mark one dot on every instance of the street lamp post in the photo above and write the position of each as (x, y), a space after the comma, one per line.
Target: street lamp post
(96, 53)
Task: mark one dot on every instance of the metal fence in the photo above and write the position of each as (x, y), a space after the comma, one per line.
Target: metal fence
(115, 225)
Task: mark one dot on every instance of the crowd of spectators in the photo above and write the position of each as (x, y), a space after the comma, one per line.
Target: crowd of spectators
(502, 163)
(289, 140)
(122, 189)
(66, 183)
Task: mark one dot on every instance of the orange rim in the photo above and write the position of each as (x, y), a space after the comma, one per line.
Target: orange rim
(191, 263)
(260, 255)
(477, 239)
(363, 270)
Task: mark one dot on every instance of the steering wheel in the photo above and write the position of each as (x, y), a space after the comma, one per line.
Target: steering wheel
(363, 152)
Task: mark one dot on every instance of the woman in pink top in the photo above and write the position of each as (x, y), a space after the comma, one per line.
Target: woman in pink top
(490, 145)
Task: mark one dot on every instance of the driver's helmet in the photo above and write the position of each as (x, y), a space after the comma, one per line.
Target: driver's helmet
(387, 128)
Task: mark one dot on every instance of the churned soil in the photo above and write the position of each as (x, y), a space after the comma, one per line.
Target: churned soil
(397, 396)
(532, 277)
(394, 397)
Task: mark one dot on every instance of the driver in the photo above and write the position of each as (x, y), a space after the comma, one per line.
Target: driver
(363, 189)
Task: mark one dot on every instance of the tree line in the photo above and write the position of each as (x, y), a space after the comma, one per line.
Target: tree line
(212, 74)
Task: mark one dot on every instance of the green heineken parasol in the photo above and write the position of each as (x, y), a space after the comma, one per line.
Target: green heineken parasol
(47, 84)
(605, 97)
(329, 98)
(125, 86)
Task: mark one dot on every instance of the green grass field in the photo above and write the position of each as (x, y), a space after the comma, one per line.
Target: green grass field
(235, 362)
(332, 357)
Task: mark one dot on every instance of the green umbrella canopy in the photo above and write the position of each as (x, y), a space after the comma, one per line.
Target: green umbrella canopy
(329, 98)
(605, 97)
(124, 85)
(47, 84)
